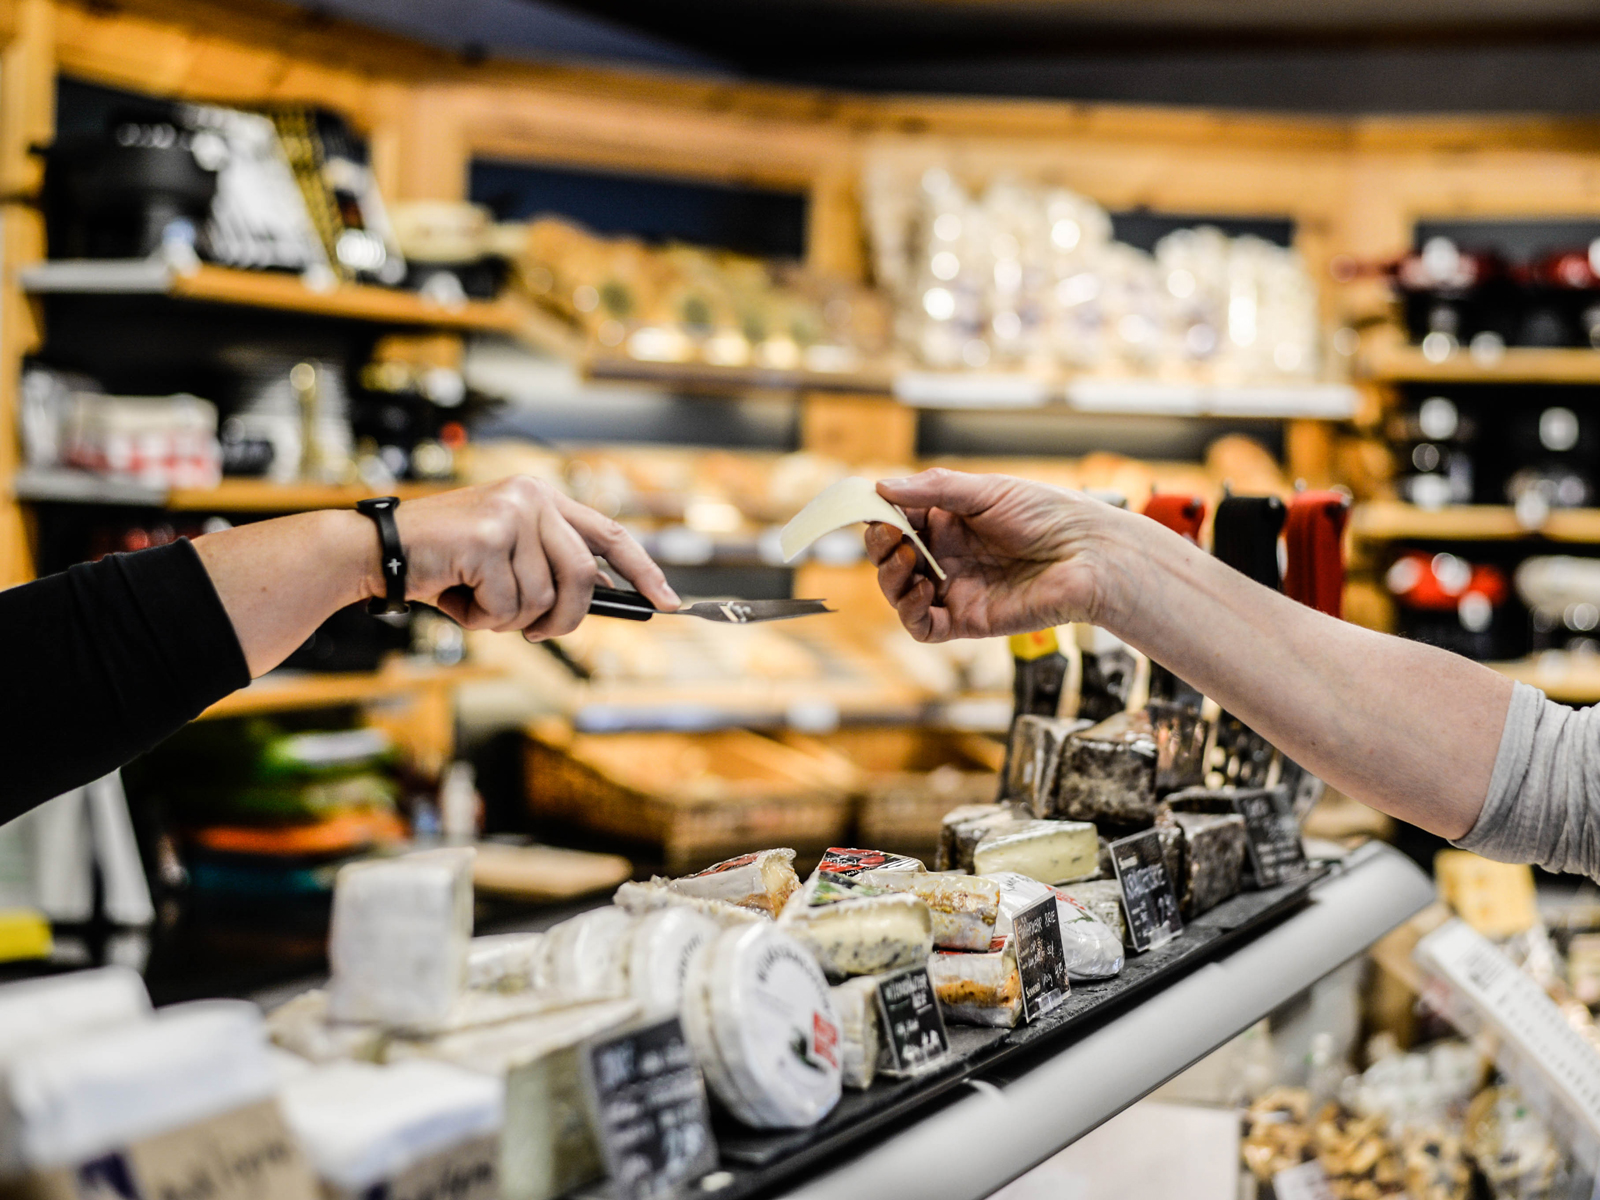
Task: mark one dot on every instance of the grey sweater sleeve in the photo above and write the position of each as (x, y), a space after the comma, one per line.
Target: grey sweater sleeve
(1544, 795)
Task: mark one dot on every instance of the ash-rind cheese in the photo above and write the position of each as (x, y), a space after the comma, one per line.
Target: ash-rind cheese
(760, 1017)
(1108, 773)
(1103, 900)
(979, 987)
(1049, 851)
(860, 935)
(762, 881)
(1034, 760)
(397, 944)
(588, 955)
(1214, 849)
(962, 828)
(855, 1003)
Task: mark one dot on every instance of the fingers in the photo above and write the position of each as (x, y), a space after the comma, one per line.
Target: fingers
(881, 541)
(617, 546)
(953, 491)
(562, 560)
(898, 572)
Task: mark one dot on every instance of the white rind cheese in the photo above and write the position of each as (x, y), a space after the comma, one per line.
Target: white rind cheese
(642, 898)
(588, 955)
(981, 987)
(1049, 851)
(663, 945)
(398, 940)
(302, 1026)
(362, 1125)
(864, 936)
(762, 882)
(855, 1002)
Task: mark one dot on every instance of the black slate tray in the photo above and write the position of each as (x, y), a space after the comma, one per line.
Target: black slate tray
(761, 1163)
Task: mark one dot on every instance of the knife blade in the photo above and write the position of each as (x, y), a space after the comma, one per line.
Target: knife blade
(631, 606)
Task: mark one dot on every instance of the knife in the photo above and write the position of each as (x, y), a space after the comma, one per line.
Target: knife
(631, 606)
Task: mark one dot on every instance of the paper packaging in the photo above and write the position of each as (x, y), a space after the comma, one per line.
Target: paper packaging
(548, 1145)
(1093, 949)
(417, 1130)
(398, 941)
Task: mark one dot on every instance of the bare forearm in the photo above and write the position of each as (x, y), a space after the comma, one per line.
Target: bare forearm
(280, 579)
(1410, 729)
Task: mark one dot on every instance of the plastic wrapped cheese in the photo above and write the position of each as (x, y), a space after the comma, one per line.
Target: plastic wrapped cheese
(1214, 850)
(662, 946)
(1049, 851)
(588, 955)
(642, 898)
(979, 987)
(855, 1002)
(854, 934)
(760, 1017)
(548, 1145)
(762, 881)
(1093, 950)
(397, 945)
(1101, 899)
(1108, 773)
(362, 1126)
(82, 1097)
(963, 908)
(851, 501)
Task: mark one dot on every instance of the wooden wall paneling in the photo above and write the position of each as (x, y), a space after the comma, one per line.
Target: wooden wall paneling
(835, 239)
(858, 429)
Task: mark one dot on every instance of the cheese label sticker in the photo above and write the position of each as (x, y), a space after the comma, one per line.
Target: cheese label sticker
(912, 1023)
(1147, 895)
(1272, 834)
(650, 1111)
(1041, 957)
(824, 1040)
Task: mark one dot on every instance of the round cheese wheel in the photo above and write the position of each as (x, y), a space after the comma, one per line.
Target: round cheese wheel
(662, 946)
(696, 1012)
(773, 1020)
(588, 955)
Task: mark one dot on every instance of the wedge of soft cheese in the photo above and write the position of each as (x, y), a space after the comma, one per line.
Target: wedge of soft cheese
(82, 1097)
(398, 941)
(548, 1145)
(760, 1017)
(588, 955)
(855, 1002)
(979, 987)
(962, 907)
(642, 898)
(864, 935)
(1049, 851)
(396, 1129)
(852, 501)
(663, 944)
(762, 881)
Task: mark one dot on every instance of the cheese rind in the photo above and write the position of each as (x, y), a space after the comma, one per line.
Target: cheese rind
(588, 955)
(979, 987)
(1049, 851)
(862, 936)
(1214, 850)
(642, 898)
(762, 881)
(1108, 773)
(963, 836)
(949, 857)
(301, 1025)
(1034, 760)
(855, 1002)
(963, 908)
(661, 948)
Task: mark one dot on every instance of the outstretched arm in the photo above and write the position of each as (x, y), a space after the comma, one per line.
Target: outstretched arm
(1410, 729)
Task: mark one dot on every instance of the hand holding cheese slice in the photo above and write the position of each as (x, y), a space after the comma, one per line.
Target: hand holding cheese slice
(850, 501)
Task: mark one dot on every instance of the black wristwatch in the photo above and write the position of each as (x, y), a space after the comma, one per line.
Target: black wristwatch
(381, 510)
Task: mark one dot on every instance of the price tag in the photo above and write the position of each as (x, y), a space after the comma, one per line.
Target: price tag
(1147, 895)
(1276, 851)
(913, 1026)
(1308, 1181)
(1041, 957)
(650, 1111)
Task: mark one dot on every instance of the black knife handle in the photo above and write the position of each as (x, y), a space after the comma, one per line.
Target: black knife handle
(616, 602)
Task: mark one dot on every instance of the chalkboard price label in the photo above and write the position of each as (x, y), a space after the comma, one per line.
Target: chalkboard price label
(650, 1111)
(1041, 957)
(913, 1026)
(1147, 895)
(1276, 851)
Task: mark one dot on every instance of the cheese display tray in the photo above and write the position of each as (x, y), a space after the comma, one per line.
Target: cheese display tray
(759, 1163)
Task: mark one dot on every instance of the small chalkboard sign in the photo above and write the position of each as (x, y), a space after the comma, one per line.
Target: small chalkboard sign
(650, 1110)
(1041, 958)
(913, 1026)
(1147, 895)
(1276, 851)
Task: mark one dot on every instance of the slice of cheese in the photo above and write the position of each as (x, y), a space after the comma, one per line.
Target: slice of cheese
(398, 941)
(852, 501)
(363, 1125)
(588, 955)
(762, 881)
(1049, 851)
(855, 1002)
(979, 987)
(662, 946)
(862, 936)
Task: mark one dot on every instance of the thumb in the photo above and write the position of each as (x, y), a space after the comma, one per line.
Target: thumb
(954, 491)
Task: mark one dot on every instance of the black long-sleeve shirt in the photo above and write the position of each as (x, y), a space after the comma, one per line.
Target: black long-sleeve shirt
(103, 661)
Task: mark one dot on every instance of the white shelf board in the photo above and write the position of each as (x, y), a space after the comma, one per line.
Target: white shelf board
(126, 276)
(65, 486)
(971, 391)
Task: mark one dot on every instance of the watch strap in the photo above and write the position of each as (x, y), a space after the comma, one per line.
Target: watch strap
(393, 556)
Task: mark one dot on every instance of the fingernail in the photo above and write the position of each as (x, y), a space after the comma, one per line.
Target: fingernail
(673, 600)
(894, 483)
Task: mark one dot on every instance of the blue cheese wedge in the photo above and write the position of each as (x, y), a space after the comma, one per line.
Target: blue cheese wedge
(760, 1017)
(1049, 851)
(397, 945)
(662, 946)
(588, 955)
(762, 882)
(859, 934)
(855, 1002)
(398, 1129)
(979, 987)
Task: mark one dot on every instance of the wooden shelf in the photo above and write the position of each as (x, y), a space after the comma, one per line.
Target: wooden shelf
(283, 691)
(705, 377)
(63, 486)
(1570, 679)
(1406, 364)
(1388, 520)
(271, 290)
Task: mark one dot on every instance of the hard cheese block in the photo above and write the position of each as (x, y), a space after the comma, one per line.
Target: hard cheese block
(762, 881)
(398, 941)
(1103, 900)
(855, 1003)
(1214, 850)
(1049, 851)
(1108, 773)
(548, 1145)
(1034, 760)
(979, 987)
(364, 1126)
(963, 828)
